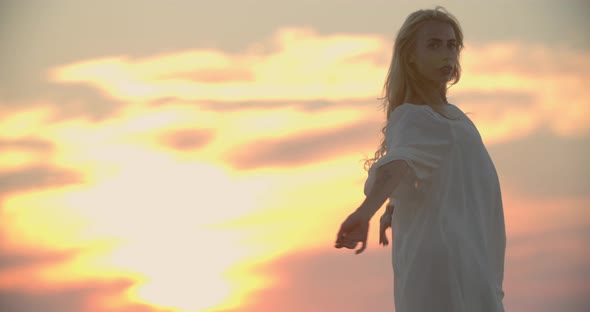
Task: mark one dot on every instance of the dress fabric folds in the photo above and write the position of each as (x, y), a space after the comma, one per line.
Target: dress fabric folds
(448, 231)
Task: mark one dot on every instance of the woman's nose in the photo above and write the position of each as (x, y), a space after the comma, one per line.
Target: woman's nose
(451, 52)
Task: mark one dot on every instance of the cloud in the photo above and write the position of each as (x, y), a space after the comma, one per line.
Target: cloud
(10, 260)
(529, 59)
(66, 101)
(188, 139)
(212, 75)
(71, 101)
(553, 80)
(510, 86)
(492, 103)
(22, 151)
(90, 296)
(300, 149)
(305, 66)
(544, 165)
(224, 58)
(546, 270)
(37, 177)
(327, 280)
(29, 144)
(302, 105)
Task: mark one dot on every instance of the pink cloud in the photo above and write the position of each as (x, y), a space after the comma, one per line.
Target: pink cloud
(91, 296)
(188, 139)
(307, 147)
(36, 177)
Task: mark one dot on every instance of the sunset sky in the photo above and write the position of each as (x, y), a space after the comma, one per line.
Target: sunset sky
(174, 156)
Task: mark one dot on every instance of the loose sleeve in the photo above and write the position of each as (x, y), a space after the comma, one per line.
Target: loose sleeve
(416, 135)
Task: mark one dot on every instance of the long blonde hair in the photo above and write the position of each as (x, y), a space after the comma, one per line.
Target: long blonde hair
(401, 77)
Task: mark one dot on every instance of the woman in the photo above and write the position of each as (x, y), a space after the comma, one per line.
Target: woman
(448, 227)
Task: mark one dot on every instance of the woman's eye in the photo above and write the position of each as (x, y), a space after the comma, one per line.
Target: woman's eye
(436, 45)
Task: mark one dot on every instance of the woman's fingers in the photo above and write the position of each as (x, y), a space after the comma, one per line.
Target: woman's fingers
(342, 240)
(383, 235)
(383, 240)
(361, 236)
(363, 247)
(349, 239)
(348, 244)
(385, 223)
(352, 231)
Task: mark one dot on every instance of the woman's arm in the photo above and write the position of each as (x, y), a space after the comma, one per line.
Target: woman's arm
(387, 179)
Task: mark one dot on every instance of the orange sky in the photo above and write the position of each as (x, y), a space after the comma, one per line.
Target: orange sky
(204, 178)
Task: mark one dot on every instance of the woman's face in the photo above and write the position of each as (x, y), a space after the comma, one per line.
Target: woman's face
(436, 47)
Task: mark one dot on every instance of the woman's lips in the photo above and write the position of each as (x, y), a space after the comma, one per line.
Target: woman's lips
(446, 70)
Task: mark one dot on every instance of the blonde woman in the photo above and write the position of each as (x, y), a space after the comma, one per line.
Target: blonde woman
(448, 229)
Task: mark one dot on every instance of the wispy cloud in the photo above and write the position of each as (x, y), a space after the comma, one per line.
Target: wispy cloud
(511, 87)
(327, 280)
(10, 259)
(28, 179)
(524, 88)
(305, 148)
(188, 139)
(92, 296)
(548, 165)
(303, 66)
(26, 144)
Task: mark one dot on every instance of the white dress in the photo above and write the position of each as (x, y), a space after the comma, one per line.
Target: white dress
(448, 230)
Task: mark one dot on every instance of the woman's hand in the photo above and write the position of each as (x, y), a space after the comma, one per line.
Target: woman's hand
(384, 224)
(353, 230)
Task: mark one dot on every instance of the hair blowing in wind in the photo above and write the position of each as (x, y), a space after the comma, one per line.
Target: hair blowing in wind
(403, 77)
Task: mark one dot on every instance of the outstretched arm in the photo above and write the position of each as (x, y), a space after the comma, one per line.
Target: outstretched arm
(355, 228)
(387, 179)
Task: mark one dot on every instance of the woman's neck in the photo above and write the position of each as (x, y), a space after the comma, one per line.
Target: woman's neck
(433, 98)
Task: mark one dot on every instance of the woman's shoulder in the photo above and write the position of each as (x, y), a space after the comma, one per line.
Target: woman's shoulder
(411, 106)
(422, 119)
(405, 108)
(412, 111)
